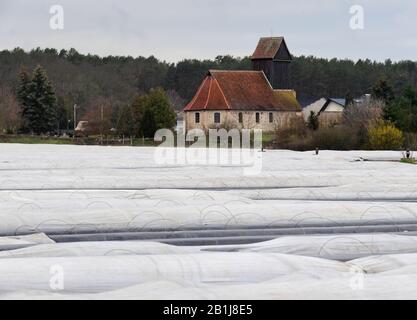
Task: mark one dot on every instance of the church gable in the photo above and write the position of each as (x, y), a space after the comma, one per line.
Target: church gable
(273, 48)
(283, 54)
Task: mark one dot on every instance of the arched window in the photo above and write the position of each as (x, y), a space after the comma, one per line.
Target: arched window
(240, 117)
(258, 117)
(197, 117)
(217, 117)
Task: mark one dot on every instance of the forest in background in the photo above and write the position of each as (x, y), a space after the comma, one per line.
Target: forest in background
(90, 80)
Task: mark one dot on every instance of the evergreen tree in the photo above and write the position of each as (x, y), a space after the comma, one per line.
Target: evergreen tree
(162, 110)
(383, 91)
(38, 102)
(158, 113)
(23, 93)
(313, 121)
(138, 109)
(402, 111)
(148, 123)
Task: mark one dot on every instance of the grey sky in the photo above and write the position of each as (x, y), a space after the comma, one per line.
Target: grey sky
(178, 29)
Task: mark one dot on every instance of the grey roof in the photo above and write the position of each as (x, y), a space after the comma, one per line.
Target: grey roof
(340, 101)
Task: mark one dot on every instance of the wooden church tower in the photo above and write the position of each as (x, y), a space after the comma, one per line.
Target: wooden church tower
(273, 58)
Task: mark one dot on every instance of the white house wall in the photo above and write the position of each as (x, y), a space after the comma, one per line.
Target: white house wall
(230, 120)
(315, 107)
(334, 107)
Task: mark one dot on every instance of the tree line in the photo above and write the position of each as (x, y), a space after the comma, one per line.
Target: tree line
(40, 113)
(116, 82)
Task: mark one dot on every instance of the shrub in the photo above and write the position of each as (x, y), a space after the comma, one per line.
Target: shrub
(335, 138)
(385, 136)
(313, 121)
(299, 137)
(359, 117)
(408, 160)
(292, 136)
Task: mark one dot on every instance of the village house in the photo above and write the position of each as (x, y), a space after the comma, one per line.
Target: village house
(255, 99)
(329, 111)
(332, 112)
(315, 107)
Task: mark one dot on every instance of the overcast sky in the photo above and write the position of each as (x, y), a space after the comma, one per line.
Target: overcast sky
(176, 29)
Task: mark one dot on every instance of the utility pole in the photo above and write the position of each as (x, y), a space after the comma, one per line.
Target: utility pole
(75, 116)
(101, 126)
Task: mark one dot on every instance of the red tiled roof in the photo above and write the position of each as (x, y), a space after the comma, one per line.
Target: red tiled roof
(268, 48)
(239, 90)
(208, 96)
(289, 99)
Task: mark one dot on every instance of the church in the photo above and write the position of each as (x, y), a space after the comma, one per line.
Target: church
(260, 98)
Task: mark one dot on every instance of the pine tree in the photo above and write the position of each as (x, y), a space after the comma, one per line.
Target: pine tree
(38, 100)
(22, 93)
(383, 91)
(402, 111)
(158, 112)
(313, 121)
(138, 109)
(161, 108)
(149, 124)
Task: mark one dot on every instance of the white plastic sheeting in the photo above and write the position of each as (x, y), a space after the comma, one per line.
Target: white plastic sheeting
(378, 264)
(63, 189)
(12, 243)
(97, 274)
(334, 247)
(383, 288)
(97, 249)
(142, 270)
(235, 214)
(77, 189)
(100, 271)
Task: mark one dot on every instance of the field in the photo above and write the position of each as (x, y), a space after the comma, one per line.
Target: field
(90, 140)
(90, 222)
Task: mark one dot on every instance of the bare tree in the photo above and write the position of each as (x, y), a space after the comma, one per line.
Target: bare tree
(174, 98)
(99, 116)
(363, 114)
(10, 117)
